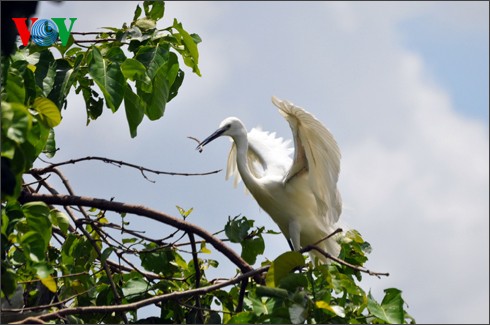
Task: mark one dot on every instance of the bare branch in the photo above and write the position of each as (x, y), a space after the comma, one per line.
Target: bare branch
(118, 163)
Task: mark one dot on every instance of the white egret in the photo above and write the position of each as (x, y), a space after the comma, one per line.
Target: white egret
(300, 194)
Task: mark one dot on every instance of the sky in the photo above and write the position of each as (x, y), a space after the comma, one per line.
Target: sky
(403, 86)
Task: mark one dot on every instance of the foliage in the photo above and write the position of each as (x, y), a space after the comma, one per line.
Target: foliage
(90, 256)
(143, 77)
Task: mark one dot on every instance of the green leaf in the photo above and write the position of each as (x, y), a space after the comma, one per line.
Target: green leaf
(43, 272)
(73, 51)
(391, 308)
(109, 78)
(244, 317)
(16, 121)
(63, 81)
(174, 89)
(14, 87)
(152, 57)
(106, 253)
(263, 291)
(203, 249)
(157, 9)
(61, 220)
(8, 282)
(129, 240)
(45, 71)
(156, 101)
(37, 138)
(137, 12)
(158, 260)
(29, 84)
(115, 54)
(197, 39)
(133, 69)
(251, 248)
(50, 148)
(34, 246)
(293, 281)
(343, 282)
(48, 112)
(24, 55)
(135, 110)
(237, 230)
(191, 56)
(281, 267)
(93, 103)
(183, 212)
(135, 286)
(37, 235)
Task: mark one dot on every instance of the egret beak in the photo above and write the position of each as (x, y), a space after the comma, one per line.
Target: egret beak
(213, 136)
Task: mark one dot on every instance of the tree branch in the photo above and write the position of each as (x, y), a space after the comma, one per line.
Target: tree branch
(117, 163)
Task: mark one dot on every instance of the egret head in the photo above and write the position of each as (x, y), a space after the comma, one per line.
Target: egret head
(230, 126)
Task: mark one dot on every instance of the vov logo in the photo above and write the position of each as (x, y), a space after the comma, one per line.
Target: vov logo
(44, 32)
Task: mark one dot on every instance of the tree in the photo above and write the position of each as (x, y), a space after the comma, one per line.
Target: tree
(61, 260)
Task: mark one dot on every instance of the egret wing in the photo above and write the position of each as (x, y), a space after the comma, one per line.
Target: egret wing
(266, 155)
(315, 152)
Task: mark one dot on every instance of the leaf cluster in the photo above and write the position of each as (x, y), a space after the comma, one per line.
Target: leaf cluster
(136, 66)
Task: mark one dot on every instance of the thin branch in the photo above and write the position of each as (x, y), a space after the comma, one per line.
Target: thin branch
(101, 40)
(241, 297)
(340, 261)
(119, 164)
(92, 33)
(197, 140)
(338, 230)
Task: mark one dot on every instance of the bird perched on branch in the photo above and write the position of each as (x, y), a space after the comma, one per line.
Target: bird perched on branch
(299, 194)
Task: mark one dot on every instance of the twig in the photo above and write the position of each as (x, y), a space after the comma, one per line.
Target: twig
(340, 261)
(338, 230)
(119, 164)
(195, 139)
(198, 142)
(92, 33)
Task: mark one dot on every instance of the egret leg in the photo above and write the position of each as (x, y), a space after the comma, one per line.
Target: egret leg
(290, 243)
(294, 233)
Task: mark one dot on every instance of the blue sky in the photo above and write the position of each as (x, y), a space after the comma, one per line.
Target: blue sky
(465, 52)
(403, 86)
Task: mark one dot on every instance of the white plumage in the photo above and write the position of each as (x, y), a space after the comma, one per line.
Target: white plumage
(300, 194)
